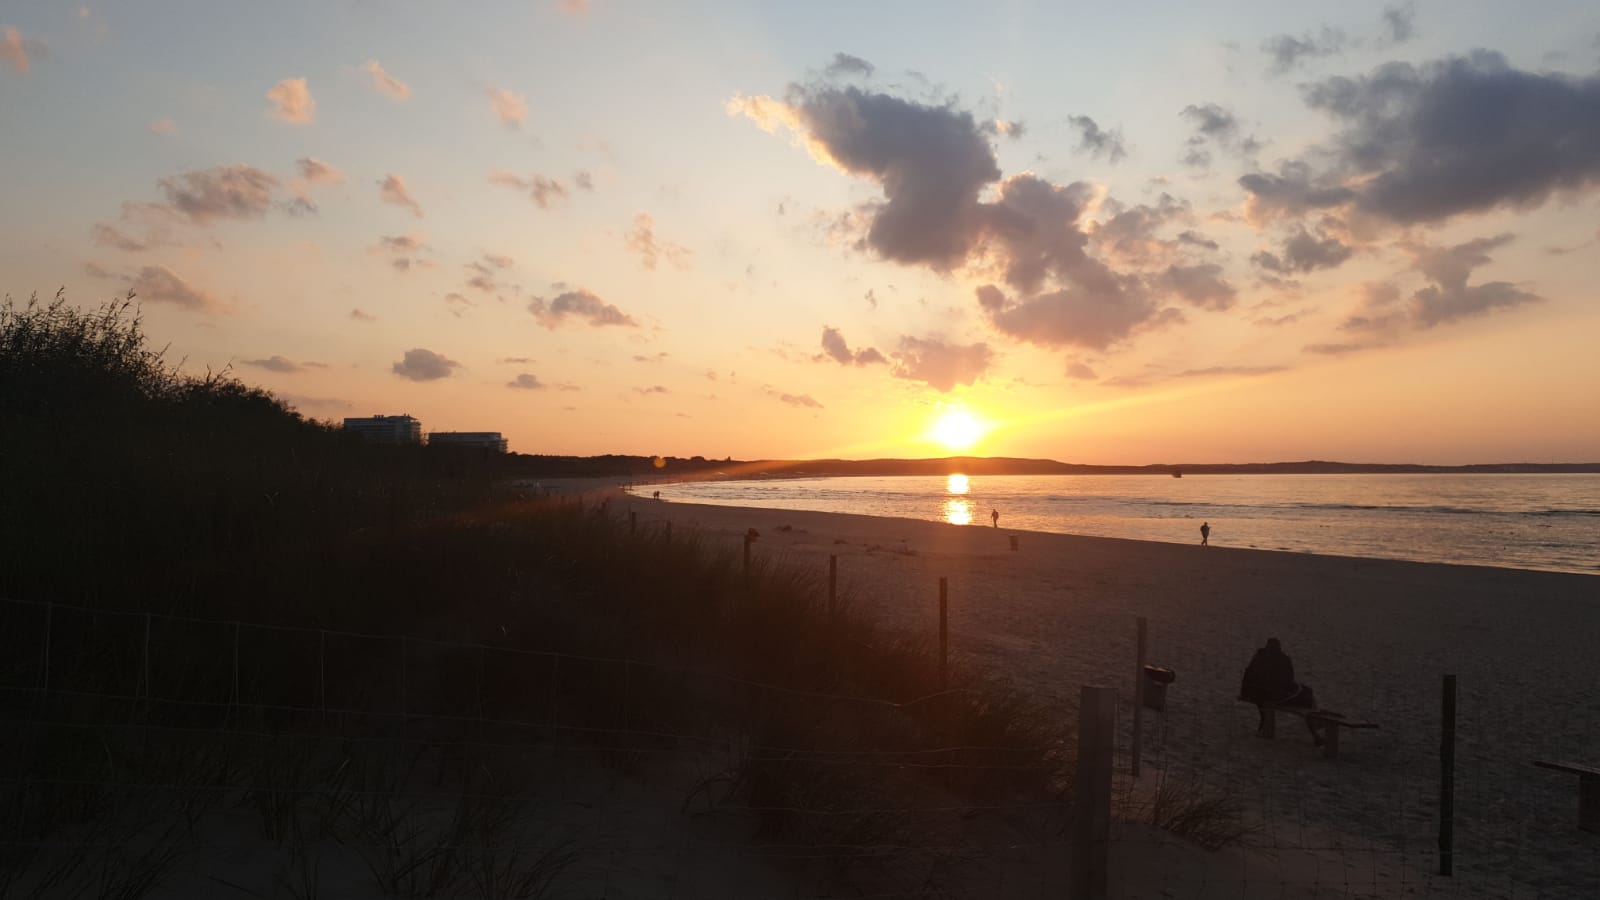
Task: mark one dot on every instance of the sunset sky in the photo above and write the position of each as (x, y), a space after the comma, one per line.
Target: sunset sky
(1110, 233)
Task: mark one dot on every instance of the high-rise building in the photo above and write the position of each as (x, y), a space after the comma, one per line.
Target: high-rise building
(486, 440)
(400, 429)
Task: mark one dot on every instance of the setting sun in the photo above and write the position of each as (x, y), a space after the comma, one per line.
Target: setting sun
(957, 429)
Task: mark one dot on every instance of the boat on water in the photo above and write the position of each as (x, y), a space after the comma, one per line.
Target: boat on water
(1177, 473)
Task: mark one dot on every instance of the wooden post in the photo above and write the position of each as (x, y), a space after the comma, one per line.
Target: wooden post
(1091, 795)
(1447, 780)
(833, 584)
(944, 634)
(1138, 694)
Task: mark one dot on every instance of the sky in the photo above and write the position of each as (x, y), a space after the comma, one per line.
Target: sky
(1098, 233)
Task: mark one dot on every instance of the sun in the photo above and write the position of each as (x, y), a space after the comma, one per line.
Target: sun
(957, 429)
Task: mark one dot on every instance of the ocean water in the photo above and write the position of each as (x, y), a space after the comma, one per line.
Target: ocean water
(1547, 522)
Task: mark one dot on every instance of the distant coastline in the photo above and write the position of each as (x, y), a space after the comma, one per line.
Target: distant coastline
(701, 468)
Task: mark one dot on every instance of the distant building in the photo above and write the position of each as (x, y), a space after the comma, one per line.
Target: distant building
(386, 429)
(484, 440)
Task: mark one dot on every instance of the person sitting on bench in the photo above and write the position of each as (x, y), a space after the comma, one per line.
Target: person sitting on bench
(1269, 681)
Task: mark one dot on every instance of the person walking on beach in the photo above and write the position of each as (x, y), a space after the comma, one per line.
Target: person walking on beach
(1205, 533)
(994, 516)
(1269, 681)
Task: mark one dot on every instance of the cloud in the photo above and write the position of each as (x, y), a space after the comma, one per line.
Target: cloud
(656, 389)
(1080, 372)
(291, 102)
(275, 364)
(835, 348)
(1304, 252)
(1011, 128)
(526, 382)
(1215, 127)
(1236, 371)
(939, 365)
(315, 171)
(404, 250)
(160, 284)
(652, 358)
(641, 239)
(485, 273)
(1419, 144)
(362, 316)
(1294, 191)
(499, 260)
(387, 84)
(508, 107)
(163, 125)
(579, 304)
(94, 270)
(1335, 349)
(1399, 23)
(225, 192)
(1288, 51)
(18, 50)
(935, 167)
(1201, 285)
(584, 181)
(1450, 297)
(392, 189)
(1095, 142)
(541, 190)
(109, 236)
(845, 64)
(1196, 239)
(803, 400)
(424, 365)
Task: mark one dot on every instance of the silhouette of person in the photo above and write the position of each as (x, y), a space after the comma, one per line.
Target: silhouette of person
(1205, 533)
(994, 516)
(658, 495)
(1269, 681)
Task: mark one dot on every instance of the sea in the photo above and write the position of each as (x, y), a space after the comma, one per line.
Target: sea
(1530, 521)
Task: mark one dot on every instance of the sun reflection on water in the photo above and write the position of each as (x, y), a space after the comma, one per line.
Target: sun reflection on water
(958, 511)
(957, 484)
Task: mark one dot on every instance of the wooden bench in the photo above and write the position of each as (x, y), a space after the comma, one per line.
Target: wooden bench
(1332, 723)
(1588, 791)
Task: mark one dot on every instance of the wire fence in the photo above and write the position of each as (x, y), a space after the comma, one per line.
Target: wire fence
(157, 755)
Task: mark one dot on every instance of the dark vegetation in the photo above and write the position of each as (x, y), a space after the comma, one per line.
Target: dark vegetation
(549, 654)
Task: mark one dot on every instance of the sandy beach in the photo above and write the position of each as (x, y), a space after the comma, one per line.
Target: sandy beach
(1373, 637)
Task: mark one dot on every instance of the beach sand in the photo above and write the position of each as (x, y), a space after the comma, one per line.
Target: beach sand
(1373, 637)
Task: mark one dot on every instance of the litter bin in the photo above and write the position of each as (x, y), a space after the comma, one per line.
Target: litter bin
(1156, 680)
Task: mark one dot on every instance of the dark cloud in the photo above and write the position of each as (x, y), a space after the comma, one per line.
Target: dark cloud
(642, 239)
(362, 316)
(939, 365)
(1288, 51)
(160, 284)
(225, 192)
(1450, 297)
(1463, 134)
(845, 64)
(1201, 285)
(1080, 372)
(1215, 127)
(1304, 252)
(1094, 141)
(578, 304)
(541, 190)
(526, 382)
(1071, 317)
(275, 364)
(584, 181)
(656, 389)
(1196, 239)
(109, 236)
(1131, 234)
(1292, 192)
(805, 400)
(424, 365)
(835, 348)
(403, 251)
(1399, 25)
(1335, 349)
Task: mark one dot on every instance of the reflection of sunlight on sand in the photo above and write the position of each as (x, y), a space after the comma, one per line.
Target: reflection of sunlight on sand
(957, 484)
(958, 511)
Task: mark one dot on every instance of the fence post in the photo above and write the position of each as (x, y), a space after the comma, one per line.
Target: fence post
(944, 634)
(1138, 695)
(833, 583)
(1091, 795)
(1447, 779)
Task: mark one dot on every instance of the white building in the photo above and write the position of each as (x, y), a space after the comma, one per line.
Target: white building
(401, 429)
(485, 440)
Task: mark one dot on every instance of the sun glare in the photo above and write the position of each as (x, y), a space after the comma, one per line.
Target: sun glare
(957, 429)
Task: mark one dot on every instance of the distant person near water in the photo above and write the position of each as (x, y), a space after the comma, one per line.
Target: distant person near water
(1269, 681)
(994, 516)
(1205, 533)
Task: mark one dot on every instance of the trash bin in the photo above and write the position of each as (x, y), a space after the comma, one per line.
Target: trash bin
(1156, 680)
